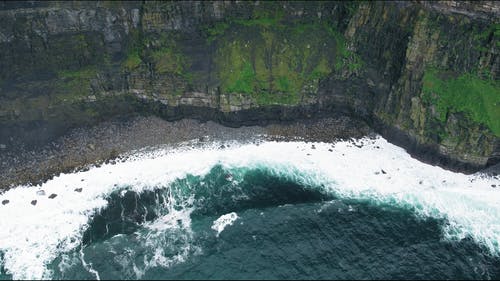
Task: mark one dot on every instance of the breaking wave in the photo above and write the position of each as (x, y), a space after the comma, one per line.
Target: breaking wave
(160, 209)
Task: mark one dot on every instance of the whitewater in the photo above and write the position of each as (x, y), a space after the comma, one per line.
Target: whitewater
(368, 169)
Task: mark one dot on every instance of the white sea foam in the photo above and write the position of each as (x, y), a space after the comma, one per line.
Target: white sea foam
(225, 220)
(32, 236)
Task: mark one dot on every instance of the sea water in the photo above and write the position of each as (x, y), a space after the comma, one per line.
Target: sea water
(273, 210)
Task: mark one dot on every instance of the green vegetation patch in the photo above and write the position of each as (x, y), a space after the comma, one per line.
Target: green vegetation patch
(83, 73)
(132, 61)
(277, 63)
(216, 30)
(134, 51)
(242, 81)
(73, 85)
(491, 32)
(168, 60)
(468, 93)
(160, 50)
(166, 55)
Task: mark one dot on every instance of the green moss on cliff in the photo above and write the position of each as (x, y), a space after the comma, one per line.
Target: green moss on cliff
(83, 73)
(216, 30)
(243, 80)
(132, 61)
(161, 55)
(134, 51)
(487, 35)
(277, 59)
(166, 55)
(476, 97)
(278, 63)
(73, 85)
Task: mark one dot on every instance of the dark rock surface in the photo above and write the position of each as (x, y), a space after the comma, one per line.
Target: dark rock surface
(66, 65)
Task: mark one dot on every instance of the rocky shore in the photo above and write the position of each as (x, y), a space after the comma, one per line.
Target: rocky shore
(112, 139)
(67, 64)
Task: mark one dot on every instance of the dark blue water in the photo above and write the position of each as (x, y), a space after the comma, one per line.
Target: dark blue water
(284, 230)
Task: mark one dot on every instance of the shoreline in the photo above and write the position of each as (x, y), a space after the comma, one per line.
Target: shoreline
(109, 140)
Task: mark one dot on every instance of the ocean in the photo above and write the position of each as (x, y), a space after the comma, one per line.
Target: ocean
(356, 209)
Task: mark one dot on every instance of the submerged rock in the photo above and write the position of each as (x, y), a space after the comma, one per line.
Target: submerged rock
(52, 196)
(5, 202)
(78, 189)
(33, 202)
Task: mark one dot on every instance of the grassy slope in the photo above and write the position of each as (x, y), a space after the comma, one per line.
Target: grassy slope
(476, 97)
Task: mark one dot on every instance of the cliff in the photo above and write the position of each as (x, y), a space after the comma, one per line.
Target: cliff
(423, 74)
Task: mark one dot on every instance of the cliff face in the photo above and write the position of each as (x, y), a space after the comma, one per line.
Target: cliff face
(424, 74)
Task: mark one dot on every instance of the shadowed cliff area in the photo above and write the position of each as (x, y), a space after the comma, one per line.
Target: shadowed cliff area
(423, 74)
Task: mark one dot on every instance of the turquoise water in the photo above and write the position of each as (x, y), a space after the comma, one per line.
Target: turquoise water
(272, 210)
(283, 230)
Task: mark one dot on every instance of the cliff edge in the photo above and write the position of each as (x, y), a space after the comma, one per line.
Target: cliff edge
(423, 74)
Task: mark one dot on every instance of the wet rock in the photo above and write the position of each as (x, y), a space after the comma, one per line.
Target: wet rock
(313, 147)
(331, 150)
(493, 185)
(383, 172)
(78, 189)
(5, 202)
(40, 192)
(33, 202)
(420, 182)
(222, 147)
(52, 196)
(377, 173)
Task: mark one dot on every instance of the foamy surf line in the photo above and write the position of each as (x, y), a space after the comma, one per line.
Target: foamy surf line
(31, 236)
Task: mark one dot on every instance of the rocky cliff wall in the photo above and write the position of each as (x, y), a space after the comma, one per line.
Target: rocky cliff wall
(424, 74)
